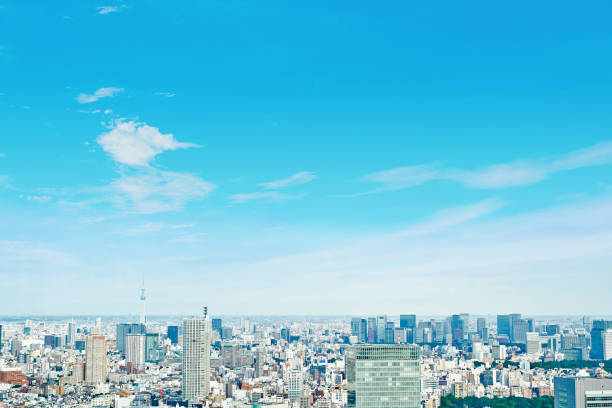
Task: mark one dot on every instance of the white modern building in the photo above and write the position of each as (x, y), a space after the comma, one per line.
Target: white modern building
(196, 357)
(95, 359)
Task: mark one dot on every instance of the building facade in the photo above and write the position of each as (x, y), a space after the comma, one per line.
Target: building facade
(196, 358)
(385, 375)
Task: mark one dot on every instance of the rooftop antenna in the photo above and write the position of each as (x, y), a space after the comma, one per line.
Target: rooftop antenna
(143, 298)
(205, 311)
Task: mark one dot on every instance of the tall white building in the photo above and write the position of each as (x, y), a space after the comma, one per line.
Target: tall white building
(135, 351)
(71, 333)
(196, 357)
(95, 359)
(607, 344)
(295, 384)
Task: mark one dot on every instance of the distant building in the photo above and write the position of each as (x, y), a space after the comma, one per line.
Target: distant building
(71, 335)
(607, 344)
(231, 354)
(135, 352)
(597, 338)
(95, 359)
(172, 334)
(123, 329)
(582, 392)
(383, 376)
(217, 325)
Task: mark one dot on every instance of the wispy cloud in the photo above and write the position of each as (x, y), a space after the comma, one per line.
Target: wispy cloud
(269, 193)
(298, 178)
(270, 196)
(27, 252)
(165, 94)
(99, 94)
(136, 144)
(152, 191)
(459, 251)
(109, 9)
(498, 176)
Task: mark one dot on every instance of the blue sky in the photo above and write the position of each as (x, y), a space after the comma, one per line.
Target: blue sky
(306, 158)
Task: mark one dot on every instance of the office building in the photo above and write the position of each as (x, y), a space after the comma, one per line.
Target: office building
(607, 344)
(597, 338)
(95, 359)
(259, 361)
(123, 329)
(135, 352)
(152, 348)
(408, 321)
(172, 334)
(217, 325)
(520, 327)
(383, 376)
(381, 325)
(372, 338)
(295, 384)
(196, 357)
(71, 335)
(582, 392)
(534, 344)
(231, 354)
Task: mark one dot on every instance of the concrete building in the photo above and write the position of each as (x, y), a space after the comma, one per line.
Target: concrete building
(583, 392)
(383, 376)
(95, 359)
(135, 352)
(196, 357)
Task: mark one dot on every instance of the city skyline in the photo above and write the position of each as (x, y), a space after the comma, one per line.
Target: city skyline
(314, 159)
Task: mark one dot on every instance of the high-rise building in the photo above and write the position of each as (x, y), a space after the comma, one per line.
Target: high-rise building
(607, 344)
(173, 334)
(385, 375)
(481, 325)
(520, 327)
(582, 392)
(372, 338)
(231, 355)
(135, 352)
(597, 338)
(71, 335)
(459, 326)
(504, 326)
(381, 325)
(408, 322)
(295, 384)
(217, 325)
(152, 348)
(95, 359)
(389, 332)
(533, 342)
(123, 329)
(196, 357)
(260, 356)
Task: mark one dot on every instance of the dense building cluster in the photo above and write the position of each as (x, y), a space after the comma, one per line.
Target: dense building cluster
(336, 362)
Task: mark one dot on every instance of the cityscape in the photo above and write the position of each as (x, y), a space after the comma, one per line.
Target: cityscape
(300, 362)
(315, 204)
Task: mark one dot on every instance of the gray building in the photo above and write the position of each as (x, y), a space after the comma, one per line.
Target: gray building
(583, 392)
(384, 375)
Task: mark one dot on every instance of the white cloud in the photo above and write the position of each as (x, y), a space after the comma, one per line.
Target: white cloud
(152, 191)
(107, 9)
(298, 178)
(165, 94)
(38, 198)
(270, 196)
(186, 238)
(136, 144)
(498, 176)
(100, 93)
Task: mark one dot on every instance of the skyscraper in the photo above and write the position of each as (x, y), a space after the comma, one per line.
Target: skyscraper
(597, 338)
(123, 329)
(135, 352)
(71, 335)
(386, 375)
(259, 361)
(173, 334)
(372, 330)
(408, 322)
(95, 359)
(196, 357)
(459, 326)
(381, 325)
